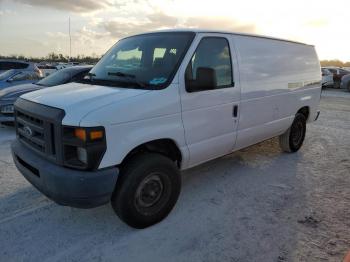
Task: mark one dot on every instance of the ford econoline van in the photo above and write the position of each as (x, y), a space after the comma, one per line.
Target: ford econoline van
(158, 103)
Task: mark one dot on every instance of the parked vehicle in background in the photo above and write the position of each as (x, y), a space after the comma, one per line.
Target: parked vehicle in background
(73, 63)
(19, 65)
(327, 78)
(345, 82)
(158, 103)
(60, 66)
(9, 95)
(47, 69)
(338, 73)
(15, 77)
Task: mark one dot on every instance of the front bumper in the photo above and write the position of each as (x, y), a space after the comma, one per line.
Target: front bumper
(8, 117)
(83, 189)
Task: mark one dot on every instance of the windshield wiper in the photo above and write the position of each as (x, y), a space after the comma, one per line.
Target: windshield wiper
(131, 78)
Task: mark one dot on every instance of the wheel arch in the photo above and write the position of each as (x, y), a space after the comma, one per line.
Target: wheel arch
(305, 110)
(164, 146)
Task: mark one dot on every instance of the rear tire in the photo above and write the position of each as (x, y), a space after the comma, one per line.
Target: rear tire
(147, 190)
(292, 140)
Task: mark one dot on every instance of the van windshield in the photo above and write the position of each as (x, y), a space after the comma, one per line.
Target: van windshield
(146, 61)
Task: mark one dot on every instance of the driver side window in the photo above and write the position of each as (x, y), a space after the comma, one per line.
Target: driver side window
(212, 57)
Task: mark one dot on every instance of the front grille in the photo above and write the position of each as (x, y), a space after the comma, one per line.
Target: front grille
(39, 127)
(36, 133)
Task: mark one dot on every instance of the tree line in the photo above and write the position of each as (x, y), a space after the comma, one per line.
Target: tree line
(53, 57)
(335, 62)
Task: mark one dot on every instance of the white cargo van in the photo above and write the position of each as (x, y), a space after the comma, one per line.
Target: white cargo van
(158, 103)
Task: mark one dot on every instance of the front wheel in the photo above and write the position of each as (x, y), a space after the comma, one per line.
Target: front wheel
(293, 138)
(147, 190)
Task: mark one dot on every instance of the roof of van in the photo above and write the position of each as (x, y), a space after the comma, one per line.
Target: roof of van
(199, 30)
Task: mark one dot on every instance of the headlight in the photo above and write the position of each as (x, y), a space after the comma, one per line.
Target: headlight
(7, 109)
(83, 147)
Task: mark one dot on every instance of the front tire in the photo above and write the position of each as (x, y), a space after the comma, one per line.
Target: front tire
(292, 140)
(147, 190)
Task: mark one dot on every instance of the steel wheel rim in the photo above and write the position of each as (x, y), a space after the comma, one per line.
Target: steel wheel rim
(150, 191)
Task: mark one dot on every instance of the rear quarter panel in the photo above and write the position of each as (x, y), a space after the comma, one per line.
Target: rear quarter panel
(277, 79)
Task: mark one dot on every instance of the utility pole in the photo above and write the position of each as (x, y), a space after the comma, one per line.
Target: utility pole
(70, 43)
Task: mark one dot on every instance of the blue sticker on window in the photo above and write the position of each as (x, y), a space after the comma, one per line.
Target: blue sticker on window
(157, 81)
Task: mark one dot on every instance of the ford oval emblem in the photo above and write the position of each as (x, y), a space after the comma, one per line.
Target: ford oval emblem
(28, 131)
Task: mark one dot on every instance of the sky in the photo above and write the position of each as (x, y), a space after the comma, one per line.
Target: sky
(38, 27)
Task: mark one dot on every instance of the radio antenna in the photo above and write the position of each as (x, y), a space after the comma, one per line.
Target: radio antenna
(70, 42)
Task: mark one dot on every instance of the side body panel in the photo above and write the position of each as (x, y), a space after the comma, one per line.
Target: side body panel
(268, 94)
(277, 79)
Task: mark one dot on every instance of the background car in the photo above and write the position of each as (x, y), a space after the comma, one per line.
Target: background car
(60, 66)
(327, 78)
(19, 65)
(338, 73)
(345, 82)
(47, 69)
(9, 95)
(73, 63)
(15, 77)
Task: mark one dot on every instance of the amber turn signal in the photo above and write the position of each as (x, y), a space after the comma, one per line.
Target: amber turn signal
(94, 135)
(80, 133)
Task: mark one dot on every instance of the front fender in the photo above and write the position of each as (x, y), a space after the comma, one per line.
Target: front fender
(123, 138)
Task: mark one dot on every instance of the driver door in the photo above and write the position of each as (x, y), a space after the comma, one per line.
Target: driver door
(210, 116)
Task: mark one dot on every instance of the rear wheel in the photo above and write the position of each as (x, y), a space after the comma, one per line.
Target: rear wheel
(147, 190)
(348, 87)
(293, 138)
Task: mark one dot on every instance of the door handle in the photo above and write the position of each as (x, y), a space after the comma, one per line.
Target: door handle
(235, 111)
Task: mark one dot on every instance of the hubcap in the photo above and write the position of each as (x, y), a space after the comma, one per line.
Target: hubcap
(149, 191)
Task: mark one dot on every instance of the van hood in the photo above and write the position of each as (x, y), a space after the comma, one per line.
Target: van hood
(78, 99)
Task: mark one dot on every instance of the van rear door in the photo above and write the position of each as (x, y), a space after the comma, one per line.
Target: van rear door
(210, 95)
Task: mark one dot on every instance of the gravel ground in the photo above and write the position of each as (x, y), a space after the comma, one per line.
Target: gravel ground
(258, 204)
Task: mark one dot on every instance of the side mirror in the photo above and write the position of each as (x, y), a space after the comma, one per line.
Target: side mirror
(205, 80)
(9, 80)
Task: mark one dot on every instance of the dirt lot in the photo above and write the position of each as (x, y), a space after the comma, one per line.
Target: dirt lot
(258, 204)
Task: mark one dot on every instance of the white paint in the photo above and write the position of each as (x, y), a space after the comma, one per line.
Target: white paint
(273, 80)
